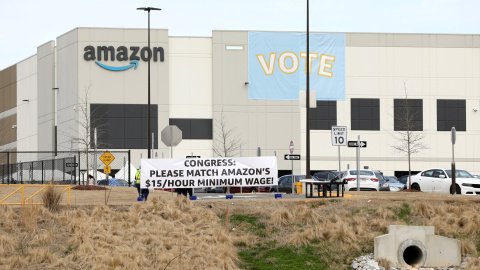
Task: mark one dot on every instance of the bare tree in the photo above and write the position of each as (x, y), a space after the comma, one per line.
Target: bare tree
(226, 141)
(410, 132)
(88, 120)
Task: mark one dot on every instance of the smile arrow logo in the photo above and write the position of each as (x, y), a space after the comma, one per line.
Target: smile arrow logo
(133, 64)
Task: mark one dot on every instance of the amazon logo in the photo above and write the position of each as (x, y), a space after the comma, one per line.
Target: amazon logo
(121, 54)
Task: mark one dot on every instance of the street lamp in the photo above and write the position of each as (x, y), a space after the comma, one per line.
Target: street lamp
(150, 56)
(307, 171)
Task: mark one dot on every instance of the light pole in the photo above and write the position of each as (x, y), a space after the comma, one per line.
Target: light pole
(307, 173)
(149, 57)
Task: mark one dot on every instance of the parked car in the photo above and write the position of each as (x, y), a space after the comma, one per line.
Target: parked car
(246, 189)
(204, 190)
(439, 180)
(368, 180)
(285, 183)
(403, 179)
(384, 186)
(394, 184)
(119, 182)
(328, 176)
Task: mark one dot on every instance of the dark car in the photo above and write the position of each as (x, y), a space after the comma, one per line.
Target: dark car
(404, 179)
(328, 176)
(115, 182)
(384, 186)
(246, 189)
(285, 183)
(204, 190)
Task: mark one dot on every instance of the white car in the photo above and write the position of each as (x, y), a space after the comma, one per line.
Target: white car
(440, 180)
(368, 180)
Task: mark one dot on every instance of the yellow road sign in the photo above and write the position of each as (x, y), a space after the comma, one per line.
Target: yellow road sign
(107, 169)
(107, 158)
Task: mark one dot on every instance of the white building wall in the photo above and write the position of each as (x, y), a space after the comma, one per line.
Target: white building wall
(27, 110)
(67, 93)
(428, 73)
(200, 78)
(46, 98)
(268, 124)
(191, 89)
(126, 87)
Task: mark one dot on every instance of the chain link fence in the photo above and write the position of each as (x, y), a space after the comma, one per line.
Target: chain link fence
(66, 167)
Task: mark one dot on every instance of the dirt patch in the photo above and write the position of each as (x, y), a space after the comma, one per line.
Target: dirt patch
(409, 190)
(90, 188)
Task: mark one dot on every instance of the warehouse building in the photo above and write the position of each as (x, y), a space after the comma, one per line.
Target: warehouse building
(97, 78)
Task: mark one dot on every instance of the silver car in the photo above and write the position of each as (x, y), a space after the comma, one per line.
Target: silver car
(394, 184)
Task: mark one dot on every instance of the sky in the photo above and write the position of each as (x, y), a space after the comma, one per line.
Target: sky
(27, 24)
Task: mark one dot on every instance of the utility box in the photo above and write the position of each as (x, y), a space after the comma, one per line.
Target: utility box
(417, 246)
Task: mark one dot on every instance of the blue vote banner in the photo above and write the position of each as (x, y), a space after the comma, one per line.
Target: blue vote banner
(277, 65)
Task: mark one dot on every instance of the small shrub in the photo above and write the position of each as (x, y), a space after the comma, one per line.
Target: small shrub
(403, 213)
(51, 197)
(28, 218)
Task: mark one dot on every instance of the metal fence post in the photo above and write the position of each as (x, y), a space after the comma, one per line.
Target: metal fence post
(53, 170)
(8, 167)
(42, 172)
(79, 167)
(129, 180)
(73, 174)
(21, 173)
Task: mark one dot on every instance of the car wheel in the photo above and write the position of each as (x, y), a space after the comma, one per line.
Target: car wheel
(253, 190)
(457, 191)
(415, 186)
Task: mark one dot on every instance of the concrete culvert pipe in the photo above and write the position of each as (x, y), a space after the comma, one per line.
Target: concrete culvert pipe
(413, 255)
(417, 246)
(412, 252)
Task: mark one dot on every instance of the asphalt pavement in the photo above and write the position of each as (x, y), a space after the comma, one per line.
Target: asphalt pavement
(238, 196)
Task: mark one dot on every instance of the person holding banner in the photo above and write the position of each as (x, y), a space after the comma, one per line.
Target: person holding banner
(137, 180)
(144, 191)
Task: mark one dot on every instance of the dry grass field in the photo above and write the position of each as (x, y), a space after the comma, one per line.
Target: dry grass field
(174, 233)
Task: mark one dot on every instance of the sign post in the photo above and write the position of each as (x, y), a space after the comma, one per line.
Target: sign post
(171, 136)
(359, 144)
(453, 190)
(293, 178)
(358, 161)
(107, 158)
(339, 138)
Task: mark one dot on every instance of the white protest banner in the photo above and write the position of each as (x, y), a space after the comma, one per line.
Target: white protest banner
(208, 172)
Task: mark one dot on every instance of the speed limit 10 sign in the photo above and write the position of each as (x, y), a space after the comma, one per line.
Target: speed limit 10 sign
(339, 135)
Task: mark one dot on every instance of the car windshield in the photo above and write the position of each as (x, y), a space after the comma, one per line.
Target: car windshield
(362, 172)
(379, 175)
(285, 180)
(459, 174)
(299, 177)
(320, 175)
